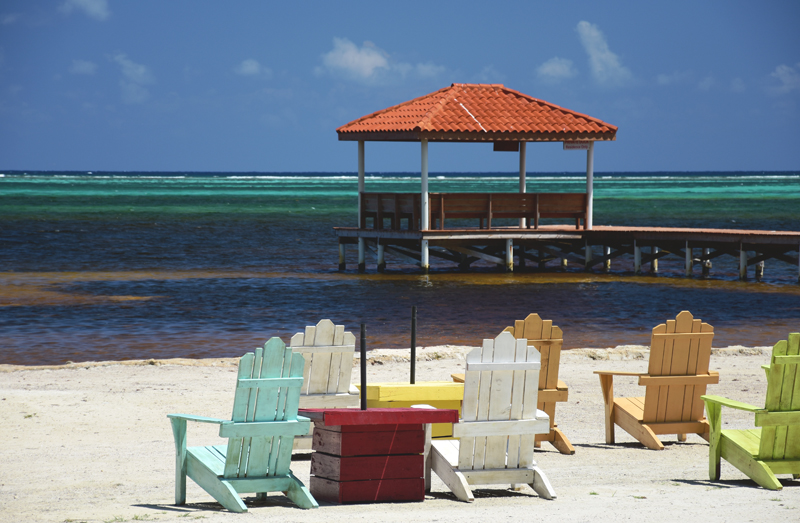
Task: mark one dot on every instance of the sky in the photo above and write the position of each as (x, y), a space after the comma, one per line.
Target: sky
(257, 86)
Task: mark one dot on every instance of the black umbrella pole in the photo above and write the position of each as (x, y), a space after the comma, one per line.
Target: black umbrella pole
(413, 344)
(363, 367)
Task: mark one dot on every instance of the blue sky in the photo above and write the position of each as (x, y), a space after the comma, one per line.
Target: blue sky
(196, 85)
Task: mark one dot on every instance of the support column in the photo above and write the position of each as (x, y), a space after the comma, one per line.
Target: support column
(360, 177)
(362, 258)
(522, 173)
(706, 262)
(342, 263)
(654, 263)
(759, 270)
(381, 260)
(742, 263)
(607, 253)
(425, 217)
(587, 256)
(589, 186)
(637, 258)
(687, 269)
(509, 255)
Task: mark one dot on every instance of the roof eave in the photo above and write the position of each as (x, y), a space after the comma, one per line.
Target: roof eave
(434, 136)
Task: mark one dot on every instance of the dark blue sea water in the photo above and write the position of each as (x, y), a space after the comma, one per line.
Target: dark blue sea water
(109, 266)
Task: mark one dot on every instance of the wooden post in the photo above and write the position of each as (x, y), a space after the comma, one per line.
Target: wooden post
(342, 263)
(522, 173)
(381, 257)
(706, 263)
(687, 269)
(509, 255)
(759, 270)
(742, 263)
(564, 263)
(607, 264)
(589, 185)
(362, 256)
(425, 218)
(587, 255)
(654, 263)
(637, 258)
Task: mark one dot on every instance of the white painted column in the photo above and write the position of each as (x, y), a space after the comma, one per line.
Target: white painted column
(361, 246)
(381, 257)
(589, 185)
(637, 258)
(522, 173)
(425, 218)
(509, 255)
(654, 263)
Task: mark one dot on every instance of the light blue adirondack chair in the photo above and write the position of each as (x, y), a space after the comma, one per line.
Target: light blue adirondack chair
(260, 434)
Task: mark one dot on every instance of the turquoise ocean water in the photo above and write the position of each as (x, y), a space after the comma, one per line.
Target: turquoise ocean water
(111, 265)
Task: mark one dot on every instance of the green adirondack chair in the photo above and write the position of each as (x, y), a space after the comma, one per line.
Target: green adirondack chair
(260, 434)
(774, 446)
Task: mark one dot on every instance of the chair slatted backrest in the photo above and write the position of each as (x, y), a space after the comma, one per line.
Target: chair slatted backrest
(328, 350)
(681, 347)
(500, 384)
(264, 394)
(780, 440)
(547, 339)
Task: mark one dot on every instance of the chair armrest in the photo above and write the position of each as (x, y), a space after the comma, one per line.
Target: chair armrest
(199, 419)
(619, 373)
(719, 400)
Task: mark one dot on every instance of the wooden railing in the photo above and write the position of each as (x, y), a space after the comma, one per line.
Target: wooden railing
(486, 207)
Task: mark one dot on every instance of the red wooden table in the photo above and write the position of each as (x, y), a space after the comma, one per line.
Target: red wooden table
(371, 455)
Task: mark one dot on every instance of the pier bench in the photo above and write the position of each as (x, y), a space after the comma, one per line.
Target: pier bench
(377, 208)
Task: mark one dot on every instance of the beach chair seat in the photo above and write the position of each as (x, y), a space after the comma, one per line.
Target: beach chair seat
(260, 434)
(773, 447)
(328, 351)
(677, 377)
(496, 432)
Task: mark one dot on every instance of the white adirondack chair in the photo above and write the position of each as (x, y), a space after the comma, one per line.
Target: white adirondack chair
(328, 350)
(499, 422)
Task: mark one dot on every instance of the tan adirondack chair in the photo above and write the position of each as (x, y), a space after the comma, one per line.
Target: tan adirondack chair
(259, 449)
(328, 350)
(499, 422)
(677, 376)
(774, 446)
(547, 339)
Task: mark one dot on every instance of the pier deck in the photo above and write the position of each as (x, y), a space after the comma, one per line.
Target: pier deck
(567, 244)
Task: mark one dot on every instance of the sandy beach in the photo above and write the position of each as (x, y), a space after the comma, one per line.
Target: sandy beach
(91, 442)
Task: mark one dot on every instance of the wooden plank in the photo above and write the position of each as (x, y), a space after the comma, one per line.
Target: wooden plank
(660, 381)
(371, 428)
(419, 392)
(539, 425)
(368, 443)
(358, 468)
(500, 400)
(367, 491)
(504, 366)
(382, 416)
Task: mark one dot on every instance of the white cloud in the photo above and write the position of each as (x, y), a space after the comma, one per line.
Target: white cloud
(134, 78)
(490, 75)
(706, 83)
(370, 64)
(789, 78)
(737, 85)
(251, 67)
(361, 62)
(83, 67)
(10, 18)
(605, 65)
(678, 77)
(556, 69)
(97, 9)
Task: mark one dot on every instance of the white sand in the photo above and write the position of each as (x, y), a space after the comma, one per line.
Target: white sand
(91, 442)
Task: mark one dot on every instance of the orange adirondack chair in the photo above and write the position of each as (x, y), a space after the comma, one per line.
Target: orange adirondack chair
(676, 379)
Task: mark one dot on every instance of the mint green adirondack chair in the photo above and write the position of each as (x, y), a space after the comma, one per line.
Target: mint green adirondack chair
(260, 434)
(774, 446)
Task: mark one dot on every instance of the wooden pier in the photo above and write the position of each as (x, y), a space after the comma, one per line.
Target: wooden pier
(560, 246)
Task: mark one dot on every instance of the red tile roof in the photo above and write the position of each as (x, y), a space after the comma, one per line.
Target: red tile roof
(476, 112)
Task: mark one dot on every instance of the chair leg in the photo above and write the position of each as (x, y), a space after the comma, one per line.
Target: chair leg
(607, 385)
(681, 437)
(451, 477)
(300, 494)
(761, 474)
(561, 443)
(541, 485)
(179, 434)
